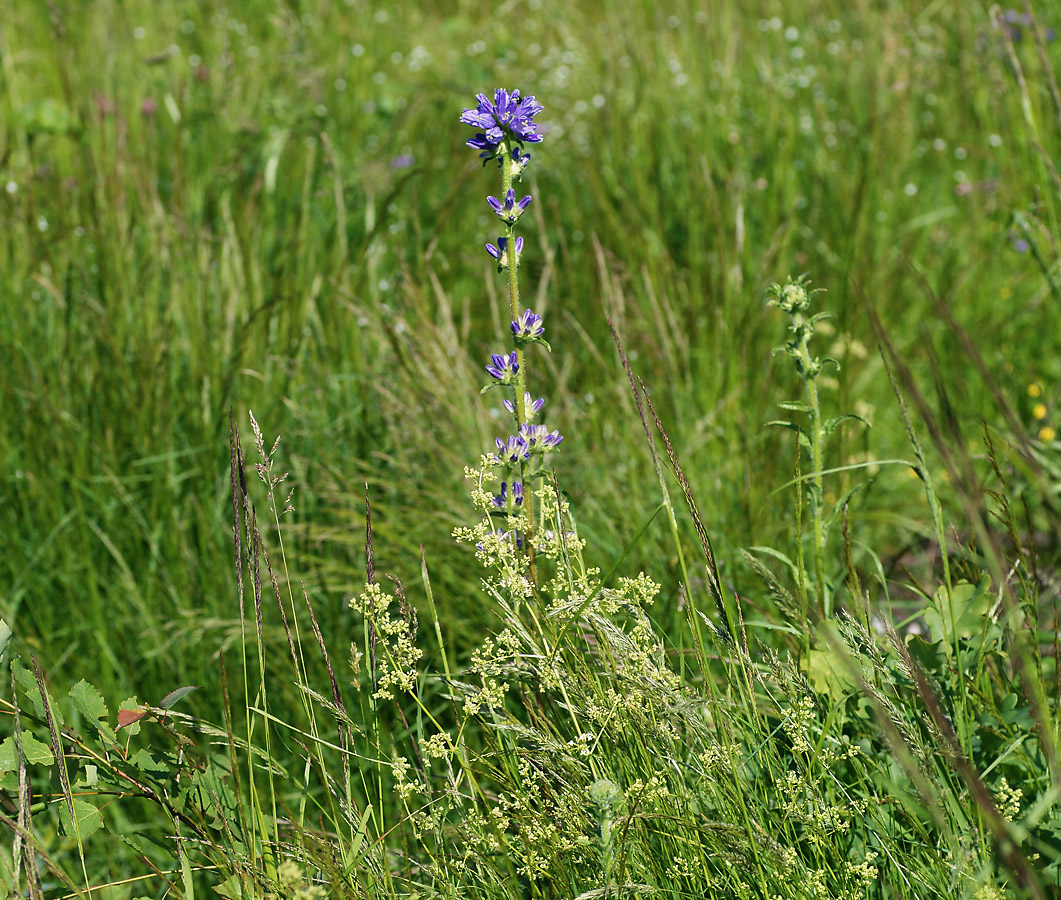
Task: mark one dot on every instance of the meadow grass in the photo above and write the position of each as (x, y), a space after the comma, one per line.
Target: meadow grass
(209, 207)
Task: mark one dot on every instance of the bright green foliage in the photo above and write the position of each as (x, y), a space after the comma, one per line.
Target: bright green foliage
(199, 211)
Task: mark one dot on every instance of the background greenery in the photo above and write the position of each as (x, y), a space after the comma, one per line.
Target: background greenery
(208, 206)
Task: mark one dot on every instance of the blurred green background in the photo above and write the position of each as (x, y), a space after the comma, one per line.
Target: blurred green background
(270, 206)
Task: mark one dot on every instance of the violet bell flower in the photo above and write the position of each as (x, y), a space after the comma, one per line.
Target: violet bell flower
(538, 437)
(502, 367)
(509, 211)
(514, 449)
(528, 326)
(500, 252)
(533, 406)
(501, 500)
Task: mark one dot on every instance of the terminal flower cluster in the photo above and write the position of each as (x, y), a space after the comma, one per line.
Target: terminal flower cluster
(506, 117)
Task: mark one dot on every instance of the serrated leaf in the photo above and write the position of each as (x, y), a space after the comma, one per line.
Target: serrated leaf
(87, 819)
(89, 702)
(211, 792)
(153, 765)
(35, 752)
(174, 697)
(28, 682)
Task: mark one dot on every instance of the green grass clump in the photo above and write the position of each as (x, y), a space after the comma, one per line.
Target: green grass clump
(835, 673)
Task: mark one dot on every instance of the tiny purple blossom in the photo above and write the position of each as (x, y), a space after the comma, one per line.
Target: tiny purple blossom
(501, 500)
(533, 406)
(537, 437)
(514, 449)
(528, 325)
(503, 368)
(520, 161)
(532, 433)
(500, 252)
(509, 211)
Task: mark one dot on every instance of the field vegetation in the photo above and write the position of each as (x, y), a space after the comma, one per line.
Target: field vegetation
(789, 628)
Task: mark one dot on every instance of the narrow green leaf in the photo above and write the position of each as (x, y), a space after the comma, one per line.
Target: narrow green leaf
(174, 697)
(831, 424)
(5, 637)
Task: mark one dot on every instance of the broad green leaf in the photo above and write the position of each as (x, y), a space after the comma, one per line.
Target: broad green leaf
(927, 654)
(86, 818)
(154, 765)
(89, 702)
(210, 791)
(46, 115)
(830, 674)
(28, 682)
(832, 669)
(231, 888)
(964, 611)
(36, 752)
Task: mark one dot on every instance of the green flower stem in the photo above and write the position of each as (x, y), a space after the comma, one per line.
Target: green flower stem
(809, 367)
